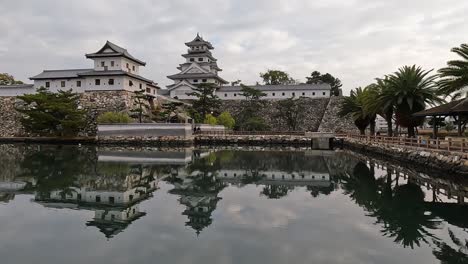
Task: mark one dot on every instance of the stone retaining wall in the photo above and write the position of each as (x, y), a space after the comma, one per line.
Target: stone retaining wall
(312, 116)
(442, 161)
(258, 140)
(331, 122)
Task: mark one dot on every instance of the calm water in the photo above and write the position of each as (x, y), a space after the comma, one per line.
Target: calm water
(64, 204)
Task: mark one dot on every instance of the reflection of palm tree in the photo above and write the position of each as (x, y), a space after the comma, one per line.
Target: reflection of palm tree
(275, 191)
(362, 186)
(448, 255)
(404, 216)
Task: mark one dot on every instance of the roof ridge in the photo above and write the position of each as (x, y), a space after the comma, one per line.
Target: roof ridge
(69, 70)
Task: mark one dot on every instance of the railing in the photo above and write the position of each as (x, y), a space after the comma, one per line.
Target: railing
(250, 133)
(450, 144)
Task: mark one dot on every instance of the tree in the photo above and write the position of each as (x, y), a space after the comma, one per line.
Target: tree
(291, 111)
(225, 119)
(237, 82)
(113, 118)
(7, 79)
(276, 77)
(378, 103)
(354, 105)
(207, 101)
(51, 114)
(210, 120)
(410, 89)
(249, 117)
(139, 105)
(166, 111)
(454, 77)
(317, 77)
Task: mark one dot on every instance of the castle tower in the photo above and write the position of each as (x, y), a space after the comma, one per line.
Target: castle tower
(200, 67)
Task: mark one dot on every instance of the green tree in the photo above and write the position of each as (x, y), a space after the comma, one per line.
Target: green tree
(167, 111)
(317, 77)
(51, 114)
(225, 119)
(140, 104)
(354, 106)
(207, 101)
(7, 79)
(410, 89)
(454, 77)
(291, 111)
(210, 120)
(377, 103)
(276, 77)
(249, 117)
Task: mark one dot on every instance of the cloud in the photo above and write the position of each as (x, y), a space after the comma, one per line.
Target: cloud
(355, 40)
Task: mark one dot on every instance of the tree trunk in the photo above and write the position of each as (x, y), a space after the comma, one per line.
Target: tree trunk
(362, 131)
(389, 127)
(372, 127)
(411, 133)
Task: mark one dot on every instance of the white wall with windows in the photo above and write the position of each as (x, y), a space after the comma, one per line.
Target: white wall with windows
(278, 94)
(116, 64)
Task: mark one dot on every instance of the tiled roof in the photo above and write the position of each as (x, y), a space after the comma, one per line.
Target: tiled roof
(118, 51)
(199, 41)
(321, 86)
(452, 108)
(60, 74)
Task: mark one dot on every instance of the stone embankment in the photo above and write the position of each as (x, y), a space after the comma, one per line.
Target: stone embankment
(254, 140)
(438, 160)
(164, 141)
(332, 122)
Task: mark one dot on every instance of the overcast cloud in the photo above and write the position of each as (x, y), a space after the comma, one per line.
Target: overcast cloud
(355, 40)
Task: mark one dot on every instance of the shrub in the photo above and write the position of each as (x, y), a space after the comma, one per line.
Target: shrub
(210, 120)
(114, 118)
(226, 120)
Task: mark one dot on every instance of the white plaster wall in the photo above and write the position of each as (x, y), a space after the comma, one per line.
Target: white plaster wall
(277, 94)
(16, 91)
(56, 84)
(104, 86)
(120, 63)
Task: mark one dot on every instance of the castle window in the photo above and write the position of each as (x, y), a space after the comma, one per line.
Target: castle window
(62, 84)
(313, 93)
(111, 200)
(98, 199)
(148, 90)
(141, 86)
(324, 93)
(133, 67)
(97, 82)
(303, 94)
(192, 59)
(103, 63)
(235, 95)
(225, 95)
(293, 94)
(195, 80)
(128, 67)
(273, 94)
(112, 63)
(78, 83)
(130, 83)
(111, 81)
(284, 94)
(47, 84)
(203, 80)
(200, 59)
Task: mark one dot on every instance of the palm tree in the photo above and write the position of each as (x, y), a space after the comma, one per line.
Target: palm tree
(411, 89)
(354, 105)
(378, 104)
(455, 75)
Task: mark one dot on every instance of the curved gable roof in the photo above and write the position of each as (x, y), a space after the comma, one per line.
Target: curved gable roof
(117, 52)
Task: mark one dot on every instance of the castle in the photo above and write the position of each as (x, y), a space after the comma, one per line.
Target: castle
(115, 69)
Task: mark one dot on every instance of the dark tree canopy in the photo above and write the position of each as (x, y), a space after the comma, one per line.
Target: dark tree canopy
(249, 117)
(52, 114)
(207, 101)
(317, 77)
(276, 77)
(7, 79)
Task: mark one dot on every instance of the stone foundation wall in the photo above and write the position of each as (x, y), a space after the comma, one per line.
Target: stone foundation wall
(312, 116)
(9, 119)
(437, 160)
(331, 122)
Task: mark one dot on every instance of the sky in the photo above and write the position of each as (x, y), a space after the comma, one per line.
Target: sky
(354, 40)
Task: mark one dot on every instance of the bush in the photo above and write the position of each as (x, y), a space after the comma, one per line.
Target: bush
(255, 124)
(114, 118)
(210, 120)
(225, 119)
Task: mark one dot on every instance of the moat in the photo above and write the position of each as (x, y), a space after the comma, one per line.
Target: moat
(87, 204)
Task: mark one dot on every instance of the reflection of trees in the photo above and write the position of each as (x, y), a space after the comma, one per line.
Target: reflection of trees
(400, 211)
(275, 191)
(448, 255)
(316, 191)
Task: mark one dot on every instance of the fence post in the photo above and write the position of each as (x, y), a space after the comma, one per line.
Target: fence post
(449, 144)
(463, 145)
(419, 141)
(437, 143)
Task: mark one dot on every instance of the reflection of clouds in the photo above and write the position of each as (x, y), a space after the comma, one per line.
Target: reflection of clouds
(260, 217)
